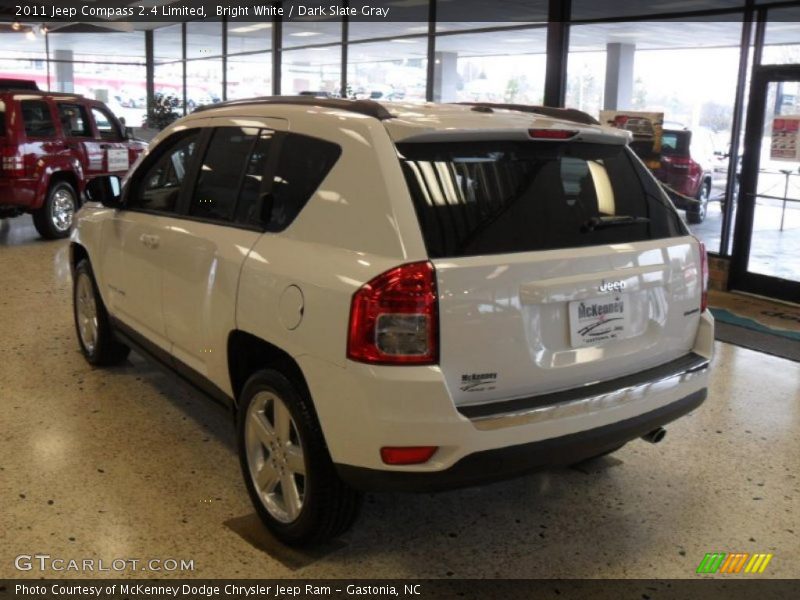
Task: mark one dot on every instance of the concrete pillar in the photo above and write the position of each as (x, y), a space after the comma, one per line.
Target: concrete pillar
(64, 81)
(445, 77)
(619, 76)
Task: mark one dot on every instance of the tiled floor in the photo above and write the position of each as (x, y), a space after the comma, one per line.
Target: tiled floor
(126, 463)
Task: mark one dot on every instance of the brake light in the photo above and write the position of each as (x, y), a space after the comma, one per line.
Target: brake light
(703, 275)
(684, 162)
(12, 164)
(412, 455)
(394, 319)
(552, 134)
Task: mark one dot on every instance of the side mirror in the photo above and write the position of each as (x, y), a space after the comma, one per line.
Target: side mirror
(106, 190)
(129, 133)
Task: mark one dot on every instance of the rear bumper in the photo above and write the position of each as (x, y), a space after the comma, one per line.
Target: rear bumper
(18, 193)
(504, 463)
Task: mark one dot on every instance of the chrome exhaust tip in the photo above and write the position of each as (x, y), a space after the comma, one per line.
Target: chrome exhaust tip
(655, 436)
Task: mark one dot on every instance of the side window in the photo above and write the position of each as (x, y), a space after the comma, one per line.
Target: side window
(73, 120)
(37, 118)
(106, 125)
(160, 184)
(250, 208)
(303, 164)
(221, 173)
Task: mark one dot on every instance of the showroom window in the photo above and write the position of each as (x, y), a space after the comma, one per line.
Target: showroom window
(505, 67)
(688, 74)
(249, 65)
(392, 70)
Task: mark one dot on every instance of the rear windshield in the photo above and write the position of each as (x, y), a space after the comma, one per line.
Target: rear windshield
(675, 143)
(482, 198)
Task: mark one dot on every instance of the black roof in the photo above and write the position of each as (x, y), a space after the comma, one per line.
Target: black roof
(568, 114)
(364, 107)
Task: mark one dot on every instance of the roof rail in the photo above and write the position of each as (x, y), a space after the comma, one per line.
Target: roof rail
(369, 108)
(568, 114)
(18, 84)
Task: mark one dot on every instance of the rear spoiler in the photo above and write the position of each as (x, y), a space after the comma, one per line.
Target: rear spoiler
(566, 114)
(593, 135)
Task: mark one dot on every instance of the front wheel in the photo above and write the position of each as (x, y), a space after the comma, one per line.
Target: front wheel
(92, 325)
(54, 218)
(287, 469)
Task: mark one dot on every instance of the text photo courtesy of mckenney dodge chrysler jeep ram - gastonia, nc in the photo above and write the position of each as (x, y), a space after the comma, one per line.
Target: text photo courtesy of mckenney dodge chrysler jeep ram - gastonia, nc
(398, 297)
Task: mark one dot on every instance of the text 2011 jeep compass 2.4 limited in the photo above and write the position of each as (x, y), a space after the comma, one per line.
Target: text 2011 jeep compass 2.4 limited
(397, 296)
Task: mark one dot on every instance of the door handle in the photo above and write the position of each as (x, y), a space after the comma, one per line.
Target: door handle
(105, 146)
(151, 241)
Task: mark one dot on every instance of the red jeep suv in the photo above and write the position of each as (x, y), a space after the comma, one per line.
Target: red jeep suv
(51, 144)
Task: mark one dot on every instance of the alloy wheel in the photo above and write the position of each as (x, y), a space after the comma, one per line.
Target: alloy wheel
(86, 312)
(275, 456)
(63, 209)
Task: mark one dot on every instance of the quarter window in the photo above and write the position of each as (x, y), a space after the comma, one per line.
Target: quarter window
(37, 118)
(160, 185)
(303, 164)
(73, 120)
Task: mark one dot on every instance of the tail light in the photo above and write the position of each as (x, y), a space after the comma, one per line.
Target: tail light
(394, 319)
(684, 162)
(552, 134)
(703, 275)
(12, 164)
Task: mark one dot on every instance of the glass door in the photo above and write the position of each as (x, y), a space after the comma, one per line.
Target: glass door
(766, 244)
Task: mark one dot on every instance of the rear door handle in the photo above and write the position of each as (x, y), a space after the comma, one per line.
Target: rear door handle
(151, 241)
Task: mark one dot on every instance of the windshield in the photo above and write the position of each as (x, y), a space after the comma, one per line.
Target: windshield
(481, 198)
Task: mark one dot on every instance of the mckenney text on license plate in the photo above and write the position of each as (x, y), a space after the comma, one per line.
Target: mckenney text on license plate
(598, 320)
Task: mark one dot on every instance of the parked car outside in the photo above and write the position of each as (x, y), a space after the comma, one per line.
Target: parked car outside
(51, 144)
(690, 167)
(398, 296)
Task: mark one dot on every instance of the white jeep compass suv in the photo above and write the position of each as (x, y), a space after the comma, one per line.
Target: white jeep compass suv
(397, 296)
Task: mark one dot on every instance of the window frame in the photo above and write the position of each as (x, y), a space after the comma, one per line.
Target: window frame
(133, 182)
(112, 119)
(88, 122)
(184, 203)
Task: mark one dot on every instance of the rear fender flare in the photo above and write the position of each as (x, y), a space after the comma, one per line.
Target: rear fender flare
(46, 172)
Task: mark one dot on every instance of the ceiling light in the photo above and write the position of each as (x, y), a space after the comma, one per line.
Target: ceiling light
(249, 28)
(30, 35)
(305, 33)
(403, 41)
(16, 26)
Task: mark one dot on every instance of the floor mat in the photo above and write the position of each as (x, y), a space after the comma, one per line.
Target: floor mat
(757, 324)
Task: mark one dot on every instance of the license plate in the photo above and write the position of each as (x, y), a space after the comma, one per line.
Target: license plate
(598, 320)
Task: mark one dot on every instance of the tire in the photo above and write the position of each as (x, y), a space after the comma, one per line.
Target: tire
(316, 505)
(697, 214)
(54, 218)
(92, 326)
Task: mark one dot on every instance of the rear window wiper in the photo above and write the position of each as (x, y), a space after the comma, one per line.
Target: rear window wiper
(612, 221)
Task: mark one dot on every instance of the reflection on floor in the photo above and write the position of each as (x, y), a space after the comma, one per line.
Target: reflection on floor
(126, 462)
